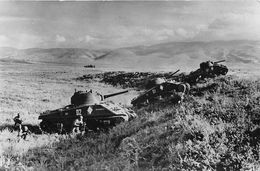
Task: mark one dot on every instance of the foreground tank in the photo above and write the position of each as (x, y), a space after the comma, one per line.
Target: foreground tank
(96, 113)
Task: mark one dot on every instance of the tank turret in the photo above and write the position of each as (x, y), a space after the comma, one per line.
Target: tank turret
(150, 83)
(90, 97)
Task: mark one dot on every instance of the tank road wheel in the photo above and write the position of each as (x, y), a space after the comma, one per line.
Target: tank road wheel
(119, 120)
(225, 71)
(187, 88)
(181, 88)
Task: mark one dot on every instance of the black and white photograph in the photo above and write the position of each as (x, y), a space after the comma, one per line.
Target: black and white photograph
(130, 85)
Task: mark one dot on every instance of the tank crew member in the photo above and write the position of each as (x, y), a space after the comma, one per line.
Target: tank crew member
(211, 66)
(78, 125)
(25, 132)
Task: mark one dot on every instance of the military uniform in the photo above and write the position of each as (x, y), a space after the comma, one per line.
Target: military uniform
(78, 125)
(17, 120)
(25, 132)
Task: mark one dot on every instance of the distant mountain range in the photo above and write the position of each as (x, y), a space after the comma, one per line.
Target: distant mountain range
(160, 56)
(52, 55)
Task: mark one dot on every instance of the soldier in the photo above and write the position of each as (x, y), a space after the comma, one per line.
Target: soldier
(211, 66)
(25, 131)
(206, 66)
(78, 125)
(19, 130)
(18, 124)
(17, 120)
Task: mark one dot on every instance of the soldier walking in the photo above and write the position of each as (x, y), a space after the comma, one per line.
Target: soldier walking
(17, 120)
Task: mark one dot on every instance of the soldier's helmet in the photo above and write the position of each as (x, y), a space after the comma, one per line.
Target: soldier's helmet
(25, 129)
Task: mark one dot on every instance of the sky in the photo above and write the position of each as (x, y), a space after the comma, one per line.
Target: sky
(121, 24)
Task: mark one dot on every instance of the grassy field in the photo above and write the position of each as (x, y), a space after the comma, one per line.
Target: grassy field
(33, 88)
(213, 129)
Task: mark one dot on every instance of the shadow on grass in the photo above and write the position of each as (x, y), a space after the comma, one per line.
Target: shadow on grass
(33, 128)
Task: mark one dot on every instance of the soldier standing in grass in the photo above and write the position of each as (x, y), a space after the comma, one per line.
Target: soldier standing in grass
(17, 120)
(18, 124)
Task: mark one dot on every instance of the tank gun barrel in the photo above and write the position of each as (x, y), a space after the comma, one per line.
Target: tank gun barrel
(114, 94)
(219, 61)
(175, 72)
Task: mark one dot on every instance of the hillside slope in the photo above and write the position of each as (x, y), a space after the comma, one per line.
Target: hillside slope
(212, 130)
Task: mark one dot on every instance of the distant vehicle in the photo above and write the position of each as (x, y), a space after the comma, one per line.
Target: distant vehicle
(89, 66)
(97, 114)
(207, 69)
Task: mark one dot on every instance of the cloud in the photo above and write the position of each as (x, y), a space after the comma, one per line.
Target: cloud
(13, 18)
(4, 41)
(182, 32)
(234, 26)
(20, 41)
(60, 38)
(126, 24)
(158, 34)
(90, 39)
(28, 40)
(229, 20)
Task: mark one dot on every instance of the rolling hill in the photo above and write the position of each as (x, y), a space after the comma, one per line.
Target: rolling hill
(165, 56)
(53, 55)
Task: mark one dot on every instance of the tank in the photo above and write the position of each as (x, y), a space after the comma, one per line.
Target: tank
(160, 89)
(96, 112)
(207, 69)
(164, 90)
(150, 83)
